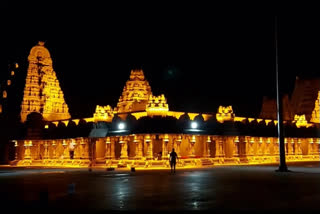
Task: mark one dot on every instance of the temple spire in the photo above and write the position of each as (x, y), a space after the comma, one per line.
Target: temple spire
(42, 92)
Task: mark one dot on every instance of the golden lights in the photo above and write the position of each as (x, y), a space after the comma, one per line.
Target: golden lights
(4, 94)
(53, 107)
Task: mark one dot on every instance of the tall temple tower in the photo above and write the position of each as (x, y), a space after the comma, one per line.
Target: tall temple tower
(304, 95)
(135, 93)
(42, 92)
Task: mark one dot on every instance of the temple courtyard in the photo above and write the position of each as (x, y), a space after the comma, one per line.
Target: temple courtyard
(222, 188)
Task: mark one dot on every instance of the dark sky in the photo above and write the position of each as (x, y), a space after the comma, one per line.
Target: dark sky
(198, 55)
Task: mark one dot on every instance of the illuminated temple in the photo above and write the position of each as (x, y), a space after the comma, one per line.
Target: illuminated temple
(141, 129)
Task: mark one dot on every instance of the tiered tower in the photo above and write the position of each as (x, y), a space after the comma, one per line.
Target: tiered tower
(135, 93)
(42, 92)
(315, 116)
(304, 94)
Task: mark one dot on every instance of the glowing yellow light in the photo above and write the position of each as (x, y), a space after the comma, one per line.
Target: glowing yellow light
(236, 139)
(12, 73)
(54, 106)
(4, 94)
(28, 143)
(108, 140)
(208, 139)
(315, 116)
(46, 126)
(193, 139)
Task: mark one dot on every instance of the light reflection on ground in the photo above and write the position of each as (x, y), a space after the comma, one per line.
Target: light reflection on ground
(227, 188)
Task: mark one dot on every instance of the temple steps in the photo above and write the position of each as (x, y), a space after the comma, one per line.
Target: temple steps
(206, 162)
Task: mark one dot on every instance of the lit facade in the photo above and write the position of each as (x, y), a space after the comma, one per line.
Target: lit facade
(141, 130)
(42, 92)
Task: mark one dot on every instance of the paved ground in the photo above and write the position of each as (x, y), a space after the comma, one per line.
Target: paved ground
(228, 188)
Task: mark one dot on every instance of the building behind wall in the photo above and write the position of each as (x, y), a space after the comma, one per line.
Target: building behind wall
(141, 129)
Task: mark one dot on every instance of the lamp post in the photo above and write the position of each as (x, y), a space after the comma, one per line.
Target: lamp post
(283, 165)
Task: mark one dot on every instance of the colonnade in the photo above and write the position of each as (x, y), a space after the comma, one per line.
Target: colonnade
(241, 149)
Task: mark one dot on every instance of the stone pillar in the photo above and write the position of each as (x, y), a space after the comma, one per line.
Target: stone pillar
(65, 150)
(75, 149)
(243, 151)
(236, 147)
(84, 149)
(138, 152)
(267, 147)
(178, 146)
(310, 143)
(207, 147)
(316, 142)
(124, 149)
(191, 150)
(290, 147)
(165, 149)
(149, 155)
(251, 146)
(112, 149)
(299, 147)
(108, 148)
(27, 150)
(315, 147)
(16, 150)
(276, 147)
(53, 148)
(46, 150)
(286, 146)
(219, 144)
(260, 147)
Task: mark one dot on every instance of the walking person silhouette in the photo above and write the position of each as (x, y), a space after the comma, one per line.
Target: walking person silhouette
(173, 160)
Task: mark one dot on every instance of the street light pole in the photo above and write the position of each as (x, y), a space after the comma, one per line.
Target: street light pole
(283, 165)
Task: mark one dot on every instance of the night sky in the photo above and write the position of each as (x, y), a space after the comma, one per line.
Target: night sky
(199, 56)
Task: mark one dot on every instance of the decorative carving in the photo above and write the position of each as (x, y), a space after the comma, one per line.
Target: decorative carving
(315, 116)
(103, 113)
(135, 93)
(225, 114)
(157, 105)
(300, 121)
(42, 92)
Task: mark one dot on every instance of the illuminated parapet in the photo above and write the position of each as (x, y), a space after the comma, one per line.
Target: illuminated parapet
(315, 117)
(225, 114)
(103, 113)
(300, 121)
(42, 92)
(157, 105)
(135, 93)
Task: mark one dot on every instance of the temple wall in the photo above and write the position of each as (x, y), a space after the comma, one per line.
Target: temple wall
(233, 149)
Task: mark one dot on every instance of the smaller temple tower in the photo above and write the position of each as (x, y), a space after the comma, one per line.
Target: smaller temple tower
(135, 93)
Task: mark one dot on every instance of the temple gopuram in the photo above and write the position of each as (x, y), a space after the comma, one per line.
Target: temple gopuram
(141, 129)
